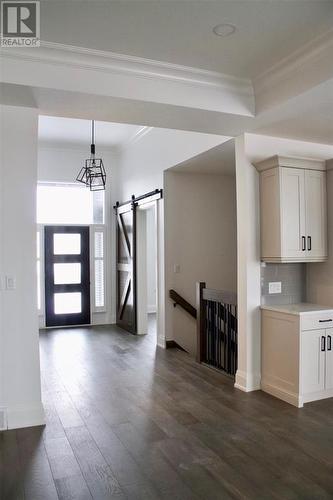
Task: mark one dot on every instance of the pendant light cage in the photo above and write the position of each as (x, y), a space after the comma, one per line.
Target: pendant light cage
(93, 173)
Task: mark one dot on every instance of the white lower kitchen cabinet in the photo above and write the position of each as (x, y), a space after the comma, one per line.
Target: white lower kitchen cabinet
(296, 352)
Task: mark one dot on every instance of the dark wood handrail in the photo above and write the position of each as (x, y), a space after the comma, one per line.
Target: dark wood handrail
(220, 296)
(179, 300)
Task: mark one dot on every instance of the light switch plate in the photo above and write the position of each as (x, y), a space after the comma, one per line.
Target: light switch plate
(10, 283)
(176, 268)
(274, 287)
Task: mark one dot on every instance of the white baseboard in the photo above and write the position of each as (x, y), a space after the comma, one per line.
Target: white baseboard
(247, 382)
(289, 397)
(25, 416)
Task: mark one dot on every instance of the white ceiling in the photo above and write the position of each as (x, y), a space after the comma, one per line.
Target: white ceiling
(309, 117)
(181, 31)
(77, 132)
(218, 161)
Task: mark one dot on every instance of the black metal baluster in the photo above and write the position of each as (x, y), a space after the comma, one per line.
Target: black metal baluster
(221, 335)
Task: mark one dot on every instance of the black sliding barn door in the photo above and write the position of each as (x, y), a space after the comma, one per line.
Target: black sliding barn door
(67, 275)
(126, 255)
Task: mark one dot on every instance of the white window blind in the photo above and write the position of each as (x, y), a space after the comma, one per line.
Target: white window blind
(99, 267)
(39, 277)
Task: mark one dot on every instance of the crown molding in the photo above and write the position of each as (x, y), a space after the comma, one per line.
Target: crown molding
(308, 66)
(111, 62)
(57, 145)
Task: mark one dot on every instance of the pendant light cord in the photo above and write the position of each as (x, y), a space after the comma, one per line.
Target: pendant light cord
(92, 149)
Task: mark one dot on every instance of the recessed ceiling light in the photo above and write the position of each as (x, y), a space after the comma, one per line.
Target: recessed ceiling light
(225, 29)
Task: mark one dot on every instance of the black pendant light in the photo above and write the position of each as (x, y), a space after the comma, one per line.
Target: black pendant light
(93, 173)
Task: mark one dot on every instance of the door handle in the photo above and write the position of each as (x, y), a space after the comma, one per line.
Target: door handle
(323, 342)
(329, 343)
(309, 243)
(303, 244)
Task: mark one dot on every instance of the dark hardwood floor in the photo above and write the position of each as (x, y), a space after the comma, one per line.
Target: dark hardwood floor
(128, 421)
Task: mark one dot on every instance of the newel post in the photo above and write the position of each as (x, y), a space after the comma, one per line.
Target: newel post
(200, 320)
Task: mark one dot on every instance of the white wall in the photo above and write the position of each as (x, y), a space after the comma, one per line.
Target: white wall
(62, 164)
(248, 269)
(200, 238)
(19, 364)
(141, 170)
(144, 161)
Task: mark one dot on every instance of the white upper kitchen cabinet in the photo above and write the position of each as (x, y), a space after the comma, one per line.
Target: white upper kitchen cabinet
(315, 213)
(293, 209)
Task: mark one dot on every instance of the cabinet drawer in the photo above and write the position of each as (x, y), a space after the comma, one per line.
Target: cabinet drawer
(316, 321)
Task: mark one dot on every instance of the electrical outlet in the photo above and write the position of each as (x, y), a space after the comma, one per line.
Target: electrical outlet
(274, 287)
(176, 268)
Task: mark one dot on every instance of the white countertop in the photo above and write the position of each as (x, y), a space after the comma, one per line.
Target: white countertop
(297, 309)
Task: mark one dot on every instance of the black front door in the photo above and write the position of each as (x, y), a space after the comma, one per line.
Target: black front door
(67, 275)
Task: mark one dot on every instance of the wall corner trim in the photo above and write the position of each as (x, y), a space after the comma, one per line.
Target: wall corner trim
(19, 416)
(247, 382)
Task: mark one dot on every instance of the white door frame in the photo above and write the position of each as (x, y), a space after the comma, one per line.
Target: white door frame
(160, 274)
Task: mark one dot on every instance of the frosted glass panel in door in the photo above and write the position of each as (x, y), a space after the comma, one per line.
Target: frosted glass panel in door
(67, 303)
(67, 273)
(66, 244)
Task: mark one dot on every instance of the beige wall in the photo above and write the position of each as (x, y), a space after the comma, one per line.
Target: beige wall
(320, 276)
(200, 232)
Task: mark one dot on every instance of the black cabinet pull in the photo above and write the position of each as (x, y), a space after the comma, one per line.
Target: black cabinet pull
(303, 244)
(309, 243)
(323, 342)
(329, 343)
(325, 320)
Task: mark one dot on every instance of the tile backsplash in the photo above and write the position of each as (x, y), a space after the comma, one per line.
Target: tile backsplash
(293, 281)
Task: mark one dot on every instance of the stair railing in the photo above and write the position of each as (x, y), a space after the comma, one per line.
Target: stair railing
(217, 328)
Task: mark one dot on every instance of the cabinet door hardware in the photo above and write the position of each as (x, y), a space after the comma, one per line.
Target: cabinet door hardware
(323, 342)
(309, 243)
(329, 343)
(303, 244)
(325, 320)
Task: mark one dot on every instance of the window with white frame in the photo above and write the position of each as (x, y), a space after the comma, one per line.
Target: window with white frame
(98, 259)
(69, 204)
(40, 270)
(39, 292)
